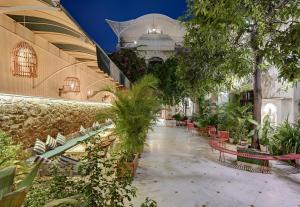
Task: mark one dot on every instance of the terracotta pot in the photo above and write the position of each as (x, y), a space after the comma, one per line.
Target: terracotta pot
(132, 166)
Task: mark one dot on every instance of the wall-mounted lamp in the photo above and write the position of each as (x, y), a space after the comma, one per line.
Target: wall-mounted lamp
(89, 93)
(71, 84)
(24, 61)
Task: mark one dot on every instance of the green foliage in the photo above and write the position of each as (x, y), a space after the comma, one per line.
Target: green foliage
(7, 176)
(133, 66)
(149, 203)
(286, 139)
(206, 116)
(13, 195)
(133, 113)
(228, 36)
(177, 117)
(12, 154)
(168, 84)
(207, 119)
(266, 131)
(236, 119)
(238, 38)
(100, 181)
(51, 189)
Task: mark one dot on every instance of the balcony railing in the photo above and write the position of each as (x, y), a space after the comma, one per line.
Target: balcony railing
(108, 66)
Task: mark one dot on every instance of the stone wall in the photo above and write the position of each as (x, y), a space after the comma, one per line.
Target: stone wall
(28, 118)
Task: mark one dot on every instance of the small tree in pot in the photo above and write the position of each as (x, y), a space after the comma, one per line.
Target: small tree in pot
(133, 113)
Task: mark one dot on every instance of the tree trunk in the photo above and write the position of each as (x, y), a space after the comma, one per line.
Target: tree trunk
(257, 89)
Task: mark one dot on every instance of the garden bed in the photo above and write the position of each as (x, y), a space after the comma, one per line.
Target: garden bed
(251, 161)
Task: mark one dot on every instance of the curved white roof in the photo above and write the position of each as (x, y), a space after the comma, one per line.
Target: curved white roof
(131, 30)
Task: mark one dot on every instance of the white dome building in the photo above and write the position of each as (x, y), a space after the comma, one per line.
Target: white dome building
(155, 36)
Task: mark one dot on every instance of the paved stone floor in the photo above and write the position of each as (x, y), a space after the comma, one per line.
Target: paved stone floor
(178, 169)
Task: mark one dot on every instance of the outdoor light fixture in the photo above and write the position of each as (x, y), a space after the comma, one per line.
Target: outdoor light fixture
(71, 84)
(89, 92)
(24, 61)
(154, 31)
(56, 3)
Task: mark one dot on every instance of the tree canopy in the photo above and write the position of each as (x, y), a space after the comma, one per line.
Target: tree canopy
(225, 37)
(235, 38)
(133, 66)
(171, 91)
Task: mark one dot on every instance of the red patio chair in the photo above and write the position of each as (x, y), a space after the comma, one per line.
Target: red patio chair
(212, 132)
(223, 137)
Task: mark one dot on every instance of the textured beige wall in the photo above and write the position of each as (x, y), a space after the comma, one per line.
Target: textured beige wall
(29, 118)
(50, 60)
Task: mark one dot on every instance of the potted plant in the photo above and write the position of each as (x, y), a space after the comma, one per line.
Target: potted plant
(265, 132)
(177, 117)
(237, 120)
(286, 139)
(133, 113)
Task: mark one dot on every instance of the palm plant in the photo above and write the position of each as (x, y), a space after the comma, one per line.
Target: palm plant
(236, 119)
(133, 113)
(13, 195)
(286, 139)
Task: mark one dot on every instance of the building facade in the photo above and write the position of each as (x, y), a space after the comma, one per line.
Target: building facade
(52, 73)
(155, 36)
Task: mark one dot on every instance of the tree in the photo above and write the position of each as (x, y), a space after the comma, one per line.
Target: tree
(240, 37)
(171, 92)
(133, 66)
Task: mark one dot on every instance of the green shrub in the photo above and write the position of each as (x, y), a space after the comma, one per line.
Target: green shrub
(266, 131)
(12, 154)
(286, 139)
(177, 117)
(103, 181)
(149, 203)
(236, 119)
(55, 186)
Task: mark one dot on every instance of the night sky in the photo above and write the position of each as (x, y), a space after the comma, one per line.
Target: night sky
(91, 15)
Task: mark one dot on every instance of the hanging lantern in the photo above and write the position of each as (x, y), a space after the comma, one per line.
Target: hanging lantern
(71, 84)
(24, 61)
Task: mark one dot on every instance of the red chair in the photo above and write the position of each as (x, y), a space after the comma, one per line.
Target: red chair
(223, 136)
(212, 132)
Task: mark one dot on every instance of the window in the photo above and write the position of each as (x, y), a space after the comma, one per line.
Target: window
(24, 61)
(71, 84)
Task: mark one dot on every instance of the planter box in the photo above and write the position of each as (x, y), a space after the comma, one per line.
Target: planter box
(132, 166)
(251, 161)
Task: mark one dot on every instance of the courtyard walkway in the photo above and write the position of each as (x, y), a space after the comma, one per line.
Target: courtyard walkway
(178, 169)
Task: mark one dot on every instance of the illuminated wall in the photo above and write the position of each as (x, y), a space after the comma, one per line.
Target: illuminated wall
(28, 118)
(40, 69)
(50, 61)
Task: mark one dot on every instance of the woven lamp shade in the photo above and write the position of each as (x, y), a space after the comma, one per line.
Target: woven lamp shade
(71, 84)
(24, 61)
